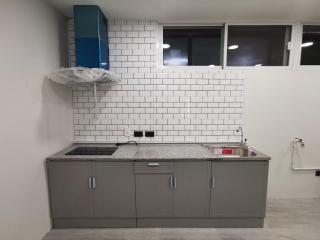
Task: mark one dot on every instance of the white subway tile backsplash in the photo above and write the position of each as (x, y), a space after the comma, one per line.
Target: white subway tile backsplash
(181, 104)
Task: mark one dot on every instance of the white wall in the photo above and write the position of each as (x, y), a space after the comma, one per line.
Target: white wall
(35, 118)
(280, 105)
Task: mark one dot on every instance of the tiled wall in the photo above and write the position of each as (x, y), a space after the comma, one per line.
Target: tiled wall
(181, 104)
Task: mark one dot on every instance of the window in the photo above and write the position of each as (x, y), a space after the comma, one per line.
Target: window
(258, 45)
(310, 48)
(193, 46)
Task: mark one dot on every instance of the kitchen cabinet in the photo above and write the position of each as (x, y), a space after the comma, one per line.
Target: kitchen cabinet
(83, 193)
(154, 195)
(192, 189)
(69, 189)
(219, 193)
(239, 189)
(114, 194)
(179, 190)
(154, 189)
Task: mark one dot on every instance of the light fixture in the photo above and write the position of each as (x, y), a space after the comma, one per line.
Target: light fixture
(232, 47)
(165, 46)
(307, 44)
(212, 65)
(258, 65)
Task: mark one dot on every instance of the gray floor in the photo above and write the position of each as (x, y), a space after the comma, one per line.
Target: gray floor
(286, 220)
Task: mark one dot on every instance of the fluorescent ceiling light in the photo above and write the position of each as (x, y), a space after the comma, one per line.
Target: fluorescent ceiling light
(258, 65)
(212, 65)
(232, 47)
(307, 44)
(165, 46)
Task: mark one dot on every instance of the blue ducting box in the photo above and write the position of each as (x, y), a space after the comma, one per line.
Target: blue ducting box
(91, 37)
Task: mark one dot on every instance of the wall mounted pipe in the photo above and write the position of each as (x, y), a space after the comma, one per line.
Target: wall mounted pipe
(294, 145)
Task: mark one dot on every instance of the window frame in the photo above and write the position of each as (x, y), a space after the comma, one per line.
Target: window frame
(291, 43)
(298, 49)
(160, 50)
(295, 46)
(191, 33)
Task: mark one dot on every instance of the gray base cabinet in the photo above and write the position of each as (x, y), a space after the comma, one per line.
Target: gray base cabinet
(154, 195)
(88, 194)
(222, 193)
(69, 189)
(239, 189)
(192, 189)
(114, 193)
(180, 190)
(154, 189)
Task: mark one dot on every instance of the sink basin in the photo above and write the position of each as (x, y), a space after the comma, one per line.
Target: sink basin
(232, 151)
(92, 151)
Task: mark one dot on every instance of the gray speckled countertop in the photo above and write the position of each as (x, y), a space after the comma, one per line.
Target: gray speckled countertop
(157, 152)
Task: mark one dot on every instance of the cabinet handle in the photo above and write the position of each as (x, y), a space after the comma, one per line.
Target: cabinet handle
(171, 182)
(153, 164)
(90, 182)
(174, 182)
(212, 182)
(93, 182)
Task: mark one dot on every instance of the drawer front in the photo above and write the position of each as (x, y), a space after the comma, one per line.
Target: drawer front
(153, 167)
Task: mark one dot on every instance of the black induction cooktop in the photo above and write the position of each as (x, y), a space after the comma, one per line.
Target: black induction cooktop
(92, 151)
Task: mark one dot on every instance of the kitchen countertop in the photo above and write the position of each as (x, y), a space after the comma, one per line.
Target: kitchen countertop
(157, 152)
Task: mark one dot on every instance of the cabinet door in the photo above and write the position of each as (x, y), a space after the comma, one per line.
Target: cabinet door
(192, 189)
(239, 189)
(154, 195)
(114, 193)
(70, 194)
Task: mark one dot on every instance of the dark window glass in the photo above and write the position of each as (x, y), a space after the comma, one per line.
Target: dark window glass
(258, 45)
(199, 46)
(177, 53)
(310, 48)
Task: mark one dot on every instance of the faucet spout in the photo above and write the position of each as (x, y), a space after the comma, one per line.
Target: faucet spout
(239, 129)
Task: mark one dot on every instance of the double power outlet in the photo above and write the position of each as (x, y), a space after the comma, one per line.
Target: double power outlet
(138, 133)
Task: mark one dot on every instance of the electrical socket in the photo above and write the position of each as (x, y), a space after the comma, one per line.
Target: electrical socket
(138, 133)
(149, 133)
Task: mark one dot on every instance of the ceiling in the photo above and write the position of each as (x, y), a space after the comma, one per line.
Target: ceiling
(202, 11)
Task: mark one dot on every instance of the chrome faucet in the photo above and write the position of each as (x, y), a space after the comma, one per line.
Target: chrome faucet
(242, 141)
